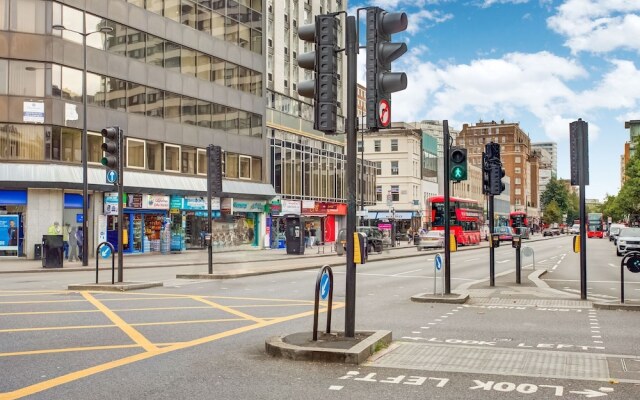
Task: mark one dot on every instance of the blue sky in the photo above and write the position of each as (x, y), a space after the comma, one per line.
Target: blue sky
(542, 63)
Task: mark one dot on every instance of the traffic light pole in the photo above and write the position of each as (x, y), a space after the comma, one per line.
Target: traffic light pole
(584, 166)
(447, 227)
(209, 216)
(352, 149)
(492, 256)
(120, 205)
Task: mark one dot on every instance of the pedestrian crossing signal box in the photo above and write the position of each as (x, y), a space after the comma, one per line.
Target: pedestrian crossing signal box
(494, 240)
(359, 248)
(453, 245)
(516, 242)
(576, 244)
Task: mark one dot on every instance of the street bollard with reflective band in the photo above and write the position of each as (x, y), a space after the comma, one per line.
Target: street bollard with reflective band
(516, 243)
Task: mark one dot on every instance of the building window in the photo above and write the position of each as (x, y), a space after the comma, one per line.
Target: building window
(379, 194)
(378, 168)
(517, 148)
(517, 181)
(394, 168)
(376, 146)
(517, 202)
(394, 144)
(202, 162)
(245, 167)
(360, 146)
(518, 160)
(518, 191)
(518, 170)
(94, 143)
(171, 158)
(395, 193)
(135, 153)
(154, 156)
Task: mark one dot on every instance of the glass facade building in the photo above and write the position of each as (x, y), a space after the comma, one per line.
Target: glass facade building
(175, 76)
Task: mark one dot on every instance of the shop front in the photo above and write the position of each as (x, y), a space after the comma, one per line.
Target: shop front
(13, 211)
(145, 222)
(239, 223)
(286, 207)
(315, 214)
(383, 220)
(335, 220)
(189, 221)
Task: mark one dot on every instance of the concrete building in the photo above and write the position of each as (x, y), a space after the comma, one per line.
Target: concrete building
(515, 152)
(624, 160)
(552, 149)
(307, 167)
(397, 154)
(175, 76)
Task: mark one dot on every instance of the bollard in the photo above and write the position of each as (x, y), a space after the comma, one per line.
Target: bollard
(516, 243)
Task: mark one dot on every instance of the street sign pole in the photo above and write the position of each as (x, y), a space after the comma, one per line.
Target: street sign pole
(447, 227)
(578, 132)
(120, 205)
(492, 256)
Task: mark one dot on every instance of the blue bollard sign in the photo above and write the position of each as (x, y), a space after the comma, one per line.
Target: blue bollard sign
(438, 262)
(105, 252)
(325, 286)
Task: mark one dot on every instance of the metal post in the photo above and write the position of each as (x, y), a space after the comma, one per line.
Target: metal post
(120, 205)
(350, 125)
(209, 216)
(518, 266)
(492, 259)
(447, 206)
(583, 209)
(362, 186)
(85, 150)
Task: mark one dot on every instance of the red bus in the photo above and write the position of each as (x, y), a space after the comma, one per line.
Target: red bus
(595, 227)
(465, 218)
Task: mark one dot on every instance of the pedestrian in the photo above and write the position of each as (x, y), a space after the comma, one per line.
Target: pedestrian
(410, 234)
(54, 229)
(312, 235)
(306, 236)
(65, 239)
(79, 240)
(73, 245)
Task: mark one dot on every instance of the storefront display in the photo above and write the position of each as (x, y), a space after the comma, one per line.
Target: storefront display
(13, 211)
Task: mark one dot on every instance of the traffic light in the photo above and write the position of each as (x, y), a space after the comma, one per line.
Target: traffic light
(110, 147)
(486, 183)
(381, 82)
(496, 173)
(458, 164)
(324, 63)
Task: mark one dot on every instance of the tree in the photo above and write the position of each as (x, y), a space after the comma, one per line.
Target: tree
(610, 209)
(573, 209)
(552, 213)
(628, 199)
(556, 192)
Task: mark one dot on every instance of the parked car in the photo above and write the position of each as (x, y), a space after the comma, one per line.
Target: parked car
(547, 232)
(374, 239)
(575, 229)
(628, 240)
(555, 231)
(505, 232)
(431, 240)
(614, 231)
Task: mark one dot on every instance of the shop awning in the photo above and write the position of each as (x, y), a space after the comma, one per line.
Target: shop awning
(21, 175)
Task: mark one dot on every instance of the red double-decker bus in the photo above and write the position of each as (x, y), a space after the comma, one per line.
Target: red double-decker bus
(465, 216)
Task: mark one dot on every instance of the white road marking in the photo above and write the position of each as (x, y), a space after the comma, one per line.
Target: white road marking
(334, 387)
(407, 272)
(503, 261)
(611, 265)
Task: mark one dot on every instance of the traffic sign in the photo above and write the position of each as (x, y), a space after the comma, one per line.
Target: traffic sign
(384, 112)
(112, 176)
(325, 285)
(105, 251)
(438, 262)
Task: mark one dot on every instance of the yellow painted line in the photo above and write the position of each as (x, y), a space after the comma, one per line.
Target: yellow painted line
(271, 305)
(34, 291)
(227, 309)
(28, 294)
(214, 297)
(193, 321)
(81, 300)
(61, 380)
(55, 328)
(68, 350)
(136, 336)
(97, 311)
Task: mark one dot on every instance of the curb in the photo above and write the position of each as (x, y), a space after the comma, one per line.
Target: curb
(453, 298)
(357, 354)
(116, 287)
(617, 306)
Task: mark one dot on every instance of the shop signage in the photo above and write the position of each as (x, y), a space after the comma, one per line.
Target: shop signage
(189, 203)
(226, 206)
(275, 206)
(336, 209)
(9, 225)
(240, 205)
(111, 203)
(175, 202)
(134, 200)
(308, 206)
(156, 202)
(291, 207)
(33, 111)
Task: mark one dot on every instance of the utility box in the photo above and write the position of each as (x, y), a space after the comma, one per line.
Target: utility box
(516, 242)
(52, 251)
(294, 234)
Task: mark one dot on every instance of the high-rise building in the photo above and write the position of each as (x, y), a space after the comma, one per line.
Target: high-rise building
(175, 76)
(307, 167)
(515, 152)
(552, 149)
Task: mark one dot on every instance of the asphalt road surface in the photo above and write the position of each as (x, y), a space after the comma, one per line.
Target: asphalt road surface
(205, 339)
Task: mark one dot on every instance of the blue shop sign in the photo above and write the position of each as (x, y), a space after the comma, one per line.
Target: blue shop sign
(13, 197)
(175, 202)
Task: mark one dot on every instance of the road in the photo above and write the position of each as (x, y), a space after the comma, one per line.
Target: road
(205, 339)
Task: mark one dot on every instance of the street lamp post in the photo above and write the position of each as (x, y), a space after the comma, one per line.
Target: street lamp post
(85, 147)
(362, 186)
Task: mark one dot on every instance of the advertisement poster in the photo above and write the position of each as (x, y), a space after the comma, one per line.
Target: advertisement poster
(9, 225)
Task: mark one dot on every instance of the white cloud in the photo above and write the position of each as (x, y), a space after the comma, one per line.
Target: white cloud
(489, 3)
(420, 20)
(598, 25)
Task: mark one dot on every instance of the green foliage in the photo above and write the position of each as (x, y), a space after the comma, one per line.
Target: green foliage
(556, 193)
(552, 213)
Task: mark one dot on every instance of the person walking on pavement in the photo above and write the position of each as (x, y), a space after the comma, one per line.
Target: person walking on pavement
(312, 235)
(79, 238)
(54, 229)
(65, 239)
(73, 245)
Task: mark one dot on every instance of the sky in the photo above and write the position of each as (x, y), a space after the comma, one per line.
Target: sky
(541, 63)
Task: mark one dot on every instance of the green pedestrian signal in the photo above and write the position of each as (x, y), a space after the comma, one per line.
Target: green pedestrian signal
(458, 164)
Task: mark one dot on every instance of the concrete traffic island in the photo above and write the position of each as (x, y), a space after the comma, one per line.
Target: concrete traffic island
(626, 306)
(332, 347)
(452, 298)
(116, 287)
